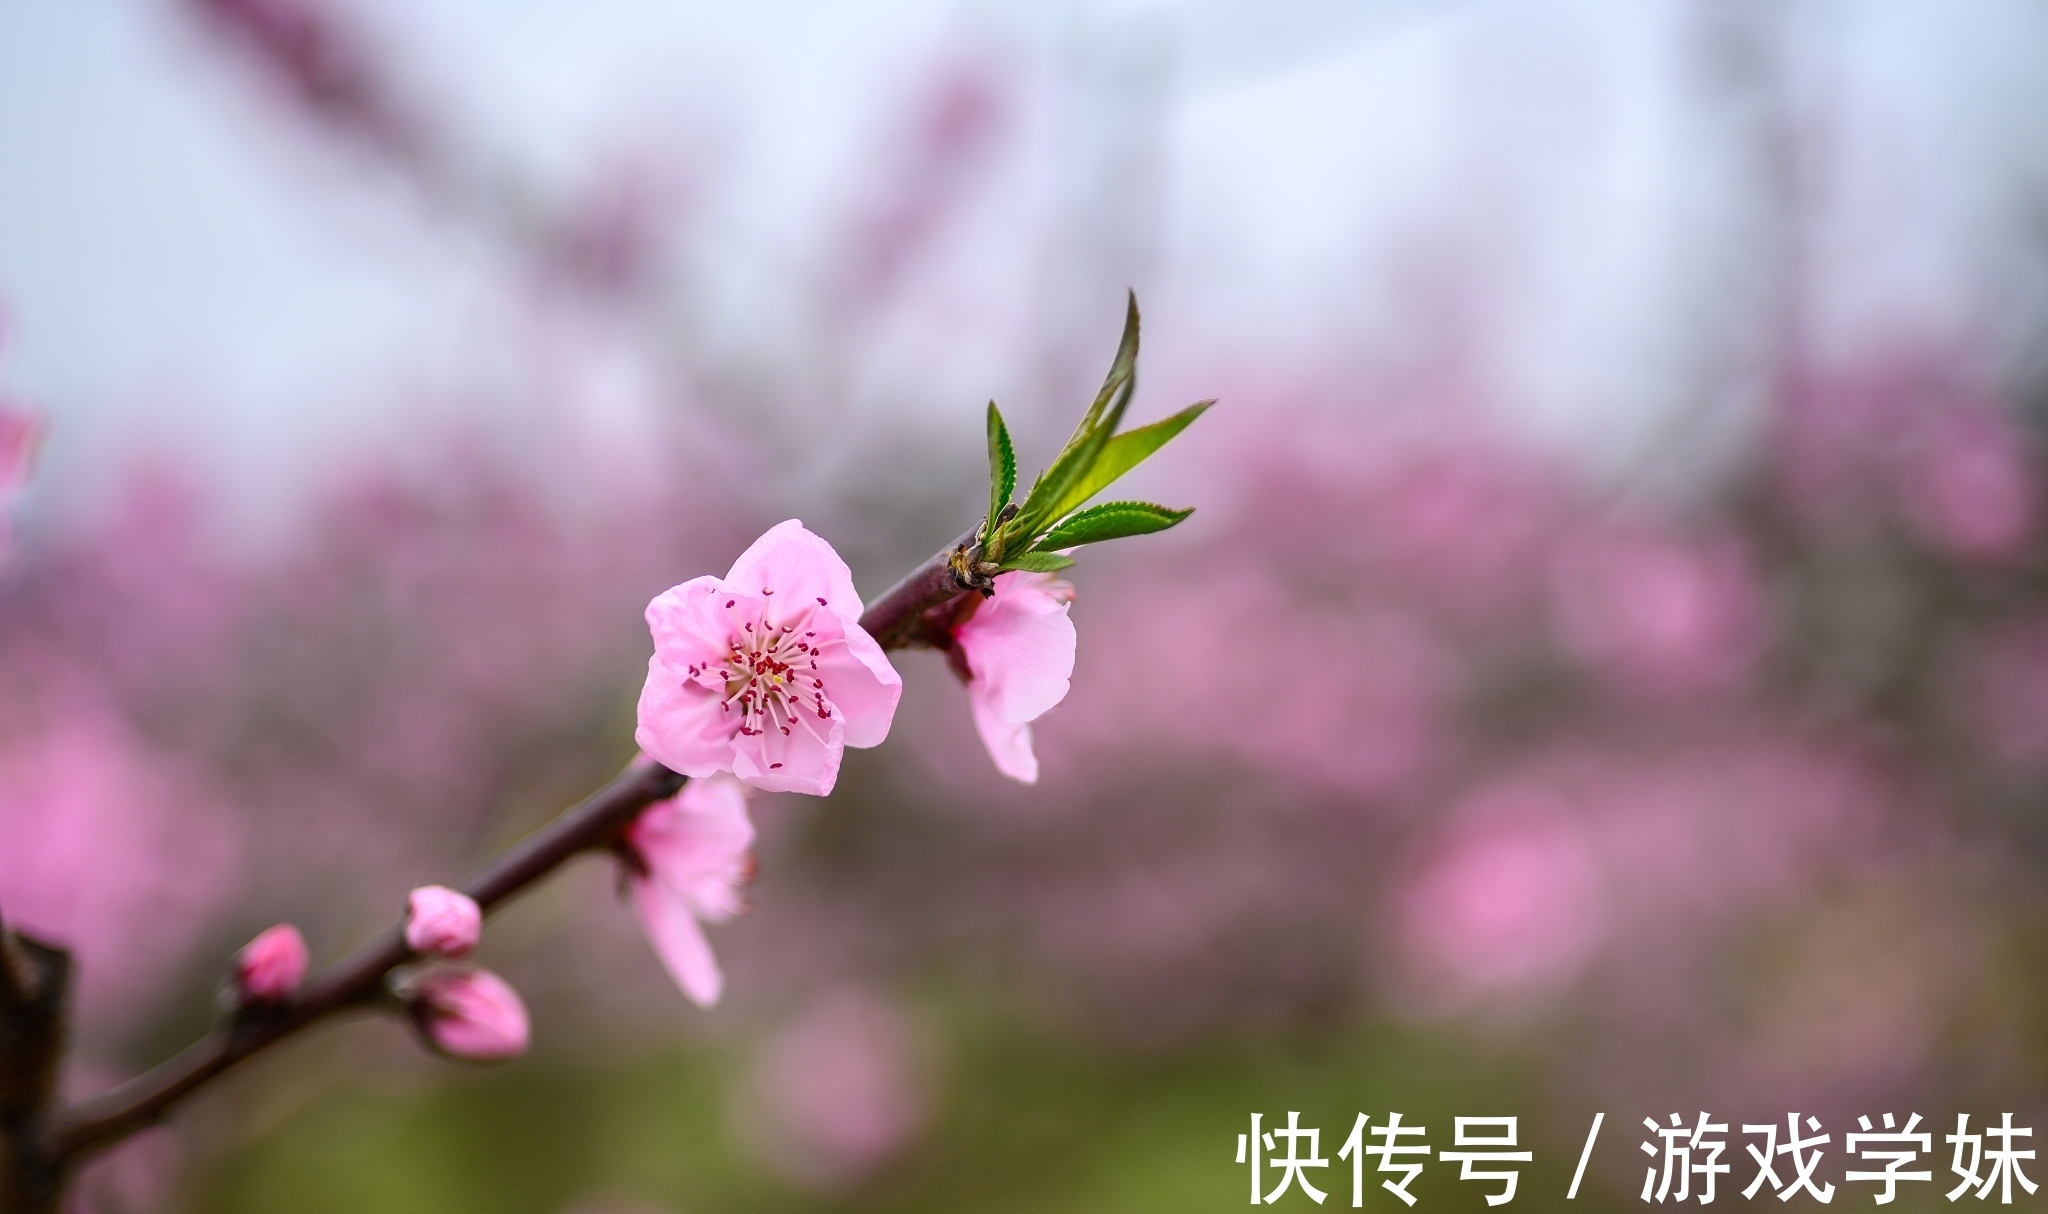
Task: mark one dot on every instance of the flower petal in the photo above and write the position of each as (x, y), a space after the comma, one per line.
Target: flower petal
(681, 726)
(799, 567)
(865, 688)
(679, 941)
(1008, 742)
(1020, 646)
(696, 844)
(687, 623)
(799, 761)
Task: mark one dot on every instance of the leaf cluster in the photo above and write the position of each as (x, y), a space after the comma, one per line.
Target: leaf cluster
(1055, 515)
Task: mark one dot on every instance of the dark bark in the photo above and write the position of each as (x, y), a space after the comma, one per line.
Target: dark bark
(35, 980)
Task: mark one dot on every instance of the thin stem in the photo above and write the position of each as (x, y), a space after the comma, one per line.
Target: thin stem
(358, 980)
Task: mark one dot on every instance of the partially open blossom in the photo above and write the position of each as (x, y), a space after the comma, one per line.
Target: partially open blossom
(473, 1015)
(272, 965)
(690, 854)
(442, 922)
(1018, 650)
(766, 672)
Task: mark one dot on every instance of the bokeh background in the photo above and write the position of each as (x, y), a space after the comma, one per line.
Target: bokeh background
(1607, 670)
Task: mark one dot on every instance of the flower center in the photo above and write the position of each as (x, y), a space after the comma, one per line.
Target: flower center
(772, 679)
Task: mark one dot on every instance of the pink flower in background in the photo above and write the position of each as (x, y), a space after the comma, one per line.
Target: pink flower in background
(838, 1091)
(442, 922)
(1509, 901)
(107, 847)
(1018, 649)
(473, 1015)
(1969, 489)
(1660, 615)
(20, 433)
(766, 673)
(692, 859)
(270, 967)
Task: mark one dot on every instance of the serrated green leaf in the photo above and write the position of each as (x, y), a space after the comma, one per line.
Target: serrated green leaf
(1113, 521)
(1122, 377)
(1085, 446)
(1124, 452)
(1002, 470)
(1038, 562)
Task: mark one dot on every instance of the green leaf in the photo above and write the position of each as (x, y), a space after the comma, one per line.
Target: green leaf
(1122, 377)
(1113, 521)
(1038, 562)
(1086, 444)
(1002, 470)
(1124, 452)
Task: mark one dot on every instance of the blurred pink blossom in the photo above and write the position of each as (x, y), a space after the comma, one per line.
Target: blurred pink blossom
(1368, 714)
(1970, 487)
(442, 922)
(1658, 614)
(690, 856)
(1017, 651)
(766, 673)
(270, 968)
(19, 432)
(105, 847)
(838, 1090)
(473, 1015)
(1509, 900)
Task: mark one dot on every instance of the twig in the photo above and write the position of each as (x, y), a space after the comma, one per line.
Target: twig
(358, 980)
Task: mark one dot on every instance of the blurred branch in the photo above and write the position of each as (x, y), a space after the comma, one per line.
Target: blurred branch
(34, 978)
(44, 1147)
(348, 85)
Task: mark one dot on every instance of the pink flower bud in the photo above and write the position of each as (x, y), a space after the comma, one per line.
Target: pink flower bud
(441, 922)
(272, 965)
(473, 1015)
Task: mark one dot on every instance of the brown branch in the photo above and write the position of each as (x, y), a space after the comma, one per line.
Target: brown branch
(358, 979)
(34, 982)
(895, 619)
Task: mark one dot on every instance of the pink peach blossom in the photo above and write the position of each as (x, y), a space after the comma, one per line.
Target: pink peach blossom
(473, 1015)
(1659, 614)
(272, 965)
(1018, 648)
(692, 860)
(442, 922)
(766, 672)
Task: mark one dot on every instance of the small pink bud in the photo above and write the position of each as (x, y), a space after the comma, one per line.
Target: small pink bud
(272, 965)
(441, 922)
(473, 1015)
